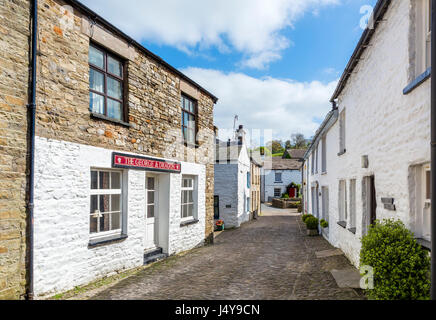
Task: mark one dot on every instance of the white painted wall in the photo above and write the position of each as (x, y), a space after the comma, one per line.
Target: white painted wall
(288, 176)
(62, 199)
(391, 128)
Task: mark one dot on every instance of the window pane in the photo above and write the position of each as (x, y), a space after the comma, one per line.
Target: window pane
(185, 119)
(150, 197)
(191, 123)
(96, 80)
(116, 202)
(191, 136)
(150, 211)
(191, 107)
(96, 103)
(116, 180)
(184, 133)
(190, 196)
(96, 57)
(104, 203)
(93, 225)
(94, 180)
(114, 88)
(116, 221)
(114, 109)
(428, 184)
(190, 210)
(150, 183)
(114, 66)
(104, 180)
(94, 204)
(105, 223)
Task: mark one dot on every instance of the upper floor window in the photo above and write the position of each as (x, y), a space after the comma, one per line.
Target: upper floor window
(312, 166)
(324, 155)
(278, 177)
(342, 140)
(316, 159)
(189, 120)
(423, 36)
(106, 82)
(248, 180)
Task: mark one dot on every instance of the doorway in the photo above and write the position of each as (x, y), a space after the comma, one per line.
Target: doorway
(152, 210)
(369, 197)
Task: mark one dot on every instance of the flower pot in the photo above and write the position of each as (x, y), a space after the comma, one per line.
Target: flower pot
(220, 228)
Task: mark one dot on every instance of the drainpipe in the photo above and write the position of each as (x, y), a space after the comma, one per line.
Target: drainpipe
(32, 110)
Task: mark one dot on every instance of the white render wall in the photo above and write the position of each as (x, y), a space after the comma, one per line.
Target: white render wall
(62, 259)
(391, 128)
(288, 176)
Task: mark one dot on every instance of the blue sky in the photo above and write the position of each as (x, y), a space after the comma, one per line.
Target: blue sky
(273, 63)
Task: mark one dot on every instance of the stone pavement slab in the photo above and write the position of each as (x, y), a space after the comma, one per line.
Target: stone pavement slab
(349, 278)
(328, 253)
(266, 259)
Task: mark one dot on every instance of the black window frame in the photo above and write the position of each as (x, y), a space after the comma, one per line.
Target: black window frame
(123, 80)
(195, 114)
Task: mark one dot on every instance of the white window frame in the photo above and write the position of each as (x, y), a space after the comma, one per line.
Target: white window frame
(342, 131)
(343, 214)
(99, 192)
(192, 188)
(423, 36)
(353, 201)
(280, 192)
(324, 155)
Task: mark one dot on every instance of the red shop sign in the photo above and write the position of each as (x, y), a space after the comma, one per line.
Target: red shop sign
(126, 161)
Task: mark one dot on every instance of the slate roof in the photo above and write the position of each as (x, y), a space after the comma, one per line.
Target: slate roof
(296, 153)
(283, 164)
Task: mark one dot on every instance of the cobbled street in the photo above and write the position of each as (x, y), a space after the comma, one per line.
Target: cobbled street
(268, 259)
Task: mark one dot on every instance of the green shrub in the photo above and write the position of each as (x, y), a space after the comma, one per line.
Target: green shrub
(300, 207)
(305, 216)
(285, 196)
(401, 266)
(312, 223)
(324, 224)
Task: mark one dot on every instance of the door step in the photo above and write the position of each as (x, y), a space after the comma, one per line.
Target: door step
(154, 255)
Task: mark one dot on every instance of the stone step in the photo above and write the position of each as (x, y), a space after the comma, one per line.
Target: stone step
(155, 258)
(152, 252)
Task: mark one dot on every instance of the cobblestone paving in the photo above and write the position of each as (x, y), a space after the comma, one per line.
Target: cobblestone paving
(267, 259)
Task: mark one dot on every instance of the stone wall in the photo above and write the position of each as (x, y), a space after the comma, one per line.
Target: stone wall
(153, 98)
(14, 64)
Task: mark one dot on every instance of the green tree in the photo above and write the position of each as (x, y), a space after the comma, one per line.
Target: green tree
(276, 146)
(298, 141)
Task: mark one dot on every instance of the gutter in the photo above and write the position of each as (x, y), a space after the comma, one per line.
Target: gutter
(377, 15)
(433, 155)
(32, 110)
(131, 41)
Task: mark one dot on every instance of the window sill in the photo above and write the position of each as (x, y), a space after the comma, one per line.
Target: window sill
(190, 145)
(424, 243)
(417, 82)
(343, 224)
(342, 152)
(189, 222)
(278, 181)
(106, 240)
(324, 173)
(103, 117)
(352, 230)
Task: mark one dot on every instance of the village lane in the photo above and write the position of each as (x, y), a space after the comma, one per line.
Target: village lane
(268, 259)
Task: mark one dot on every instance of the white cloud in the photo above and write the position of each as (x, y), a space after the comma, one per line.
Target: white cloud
(250, 27)
(283, 105)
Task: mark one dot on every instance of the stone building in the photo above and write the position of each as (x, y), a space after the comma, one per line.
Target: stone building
(278, 174)
(14, 75)
(370, 159)
(233, 181)
(124, 168)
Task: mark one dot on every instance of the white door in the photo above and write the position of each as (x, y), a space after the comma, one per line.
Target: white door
(151, 210)
(426, 208)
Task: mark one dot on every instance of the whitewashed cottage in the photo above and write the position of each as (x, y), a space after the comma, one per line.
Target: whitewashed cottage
(370, 159)
(233, 181)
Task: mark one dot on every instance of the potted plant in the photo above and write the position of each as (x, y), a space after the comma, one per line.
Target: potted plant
(219, 225)
(312, 226)
(324, 224)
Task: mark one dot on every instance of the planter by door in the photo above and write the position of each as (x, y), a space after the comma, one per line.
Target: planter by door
(152, 196)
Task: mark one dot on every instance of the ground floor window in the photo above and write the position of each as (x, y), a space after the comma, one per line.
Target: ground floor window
(277, 192)
(188, 198)
(248, 204)
(106, 202)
